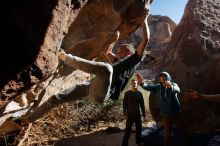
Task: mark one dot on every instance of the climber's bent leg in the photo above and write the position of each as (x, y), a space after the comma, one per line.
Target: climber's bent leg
(100, 86)
(71, 94)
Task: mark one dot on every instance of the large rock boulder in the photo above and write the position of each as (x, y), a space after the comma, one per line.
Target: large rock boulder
(161, 30)
(33, 30)
(193, 60)
(37, 30)
(97, 20)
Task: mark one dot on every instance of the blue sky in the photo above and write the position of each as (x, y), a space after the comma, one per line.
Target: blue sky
(171, 8)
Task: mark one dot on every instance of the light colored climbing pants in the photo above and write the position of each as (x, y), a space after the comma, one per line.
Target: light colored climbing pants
(96, 90)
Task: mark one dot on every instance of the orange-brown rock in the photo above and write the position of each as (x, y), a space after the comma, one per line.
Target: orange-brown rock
(161, 30)
(39, 28)
(97, 20)
(33, 30)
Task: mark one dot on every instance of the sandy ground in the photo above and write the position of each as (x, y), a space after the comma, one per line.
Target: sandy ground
(107, 136)
(101, 138)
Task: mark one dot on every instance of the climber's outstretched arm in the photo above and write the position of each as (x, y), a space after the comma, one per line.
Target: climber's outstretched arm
(145, 38)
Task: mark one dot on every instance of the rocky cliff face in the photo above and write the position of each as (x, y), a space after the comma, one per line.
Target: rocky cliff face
(193, 59)
(161, 30)
(35, 29)
(96, 22)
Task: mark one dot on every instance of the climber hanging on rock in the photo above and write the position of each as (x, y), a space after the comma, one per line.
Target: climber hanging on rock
(110, 80)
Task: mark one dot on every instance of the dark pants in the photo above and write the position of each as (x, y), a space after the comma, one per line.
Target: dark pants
(128, 127)
(167, 122)
(167, 131)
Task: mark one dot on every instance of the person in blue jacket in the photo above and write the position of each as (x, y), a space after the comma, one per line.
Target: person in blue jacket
(169, 103)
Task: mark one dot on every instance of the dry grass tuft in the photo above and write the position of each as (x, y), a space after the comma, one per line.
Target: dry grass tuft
(71, 119)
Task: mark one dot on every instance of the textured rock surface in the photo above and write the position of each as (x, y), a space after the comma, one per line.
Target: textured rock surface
(193, 59)
(89, 32)
(161, 29)
(34, 30)
(39, 29)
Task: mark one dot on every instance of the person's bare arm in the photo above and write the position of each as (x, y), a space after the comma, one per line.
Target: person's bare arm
(145, 38)
(111, 57)
(106, 57)
(196, 95)
(125, 104)
(142, 107)
(214, 97)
